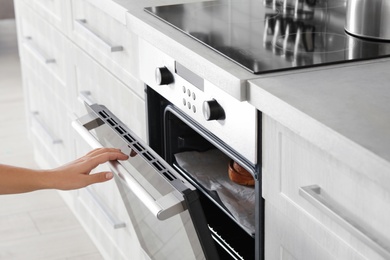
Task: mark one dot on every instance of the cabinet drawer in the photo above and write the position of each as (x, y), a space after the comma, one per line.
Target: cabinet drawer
(106, 40)
(56, 12)
(104, 88)
(299, 177)
(287, 240)
(48, 118)
(44, 49)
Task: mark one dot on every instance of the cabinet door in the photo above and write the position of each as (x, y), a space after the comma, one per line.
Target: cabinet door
(344, 211)
(286, 241)
(48, 120)
(44, 50)
(106, 89)
(56, 12)
(107, 40)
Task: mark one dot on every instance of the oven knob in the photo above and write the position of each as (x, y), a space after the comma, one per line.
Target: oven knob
(163, 76)
(212, 110)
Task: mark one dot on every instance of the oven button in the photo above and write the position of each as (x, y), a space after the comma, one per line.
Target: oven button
(163, 76)
(212, 110)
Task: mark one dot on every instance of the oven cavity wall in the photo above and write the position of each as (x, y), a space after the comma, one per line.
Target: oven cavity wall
(67, 47)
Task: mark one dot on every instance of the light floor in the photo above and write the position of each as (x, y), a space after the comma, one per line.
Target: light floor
(36, 225)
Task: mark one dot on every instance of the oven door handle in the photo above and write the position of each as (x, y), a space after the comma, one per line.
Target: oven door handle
(162, 208)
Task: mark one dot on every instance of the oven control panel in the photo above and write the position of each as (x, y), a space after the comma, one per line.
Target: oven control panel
(191, 97)
(233, 121)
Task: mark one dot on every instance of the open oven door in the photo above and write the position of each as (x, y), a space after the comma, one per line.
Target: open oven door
(164, 208)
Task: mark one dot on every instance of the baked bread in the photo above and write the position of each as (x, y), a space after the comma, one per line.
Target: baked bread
(239, 175)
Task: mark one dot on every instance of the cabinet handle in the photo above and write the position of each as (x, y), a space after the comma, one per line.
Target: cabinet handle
(82, 25)
(314, 195)
(162, 208)
(36, 51)
(50, 136)
(110, 217)
(86, 97)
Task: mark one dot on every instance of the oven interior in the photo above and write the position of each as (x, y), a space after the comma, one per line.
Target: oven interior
(229, 207)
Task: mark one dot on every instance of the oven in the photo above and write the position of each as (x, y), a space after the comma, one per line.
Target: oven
(178, 186)
(176, 189)
(204, 160)
(201, 132)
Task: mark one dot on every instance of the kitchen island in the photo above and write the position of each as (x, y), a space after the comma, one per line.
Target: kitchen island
(325, 126)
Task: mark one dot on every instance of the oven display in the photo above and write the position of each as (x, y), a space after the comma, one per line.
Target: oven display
(189, 76)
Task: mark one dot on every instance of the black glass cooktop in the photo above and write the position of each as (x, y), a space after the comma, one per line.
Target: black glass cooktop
(272, 35)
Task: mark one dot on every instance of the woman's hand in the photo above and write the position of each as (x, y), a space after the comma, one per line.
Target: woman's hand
(76, 174)
(71, 176)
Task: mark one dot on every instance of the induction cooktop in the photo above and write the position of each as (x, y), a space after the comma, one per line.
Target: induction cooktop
(272, 35)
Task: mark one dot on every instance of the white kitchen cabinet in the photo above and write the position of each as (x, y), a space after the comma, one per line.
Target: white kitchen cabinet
(287, 241)
(107, 40)
(43, 51)
(105, 89)
(323, 197)
(55, 70)
(49, 120)
(56, 12)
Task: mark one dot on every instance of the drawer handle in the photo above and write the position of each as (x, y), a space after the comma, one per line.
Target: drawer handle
(314, 195)
(110, 217)
(36, 51)
(86, 97)
(82, 24)
(50, 136)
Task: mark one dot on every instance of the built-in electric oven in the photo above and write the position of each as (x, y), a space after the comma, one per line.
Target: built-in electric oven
(203, 159)
(177, 189)
(202, 132)
(183, 188)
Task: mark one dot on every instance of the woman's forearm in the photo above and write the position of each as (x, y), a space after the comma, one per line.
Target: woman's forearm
(20, 180)
(71, 176)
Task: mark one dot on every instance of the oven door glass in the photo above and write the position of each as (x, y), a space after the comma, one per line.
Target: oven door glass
(162, 206)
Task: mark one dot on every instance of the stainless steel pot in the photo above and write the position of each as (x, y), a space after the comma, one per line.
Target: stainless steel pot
(368, 18)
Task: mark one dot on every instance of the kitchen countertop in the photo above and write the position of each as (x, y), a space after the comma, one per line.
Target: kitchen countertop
(343, 109)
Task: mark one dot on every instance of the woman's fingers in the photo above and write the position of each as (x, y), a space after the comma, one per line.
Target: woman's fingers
(99, 177)
(97, 151)
(105, 156)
